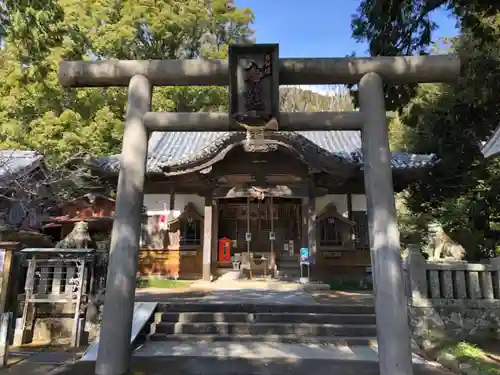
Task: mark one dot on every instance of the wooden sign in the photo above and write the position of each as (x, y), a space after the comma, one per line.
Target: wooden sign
(254, 83)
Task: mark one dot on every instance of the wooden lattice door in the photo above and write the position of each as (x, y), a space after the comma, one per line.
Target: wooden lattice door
(285, 220)
(287, 226)
(260, 226)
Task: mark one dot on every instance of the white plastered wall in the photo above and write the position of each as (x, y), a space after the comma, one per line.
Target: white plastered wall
(359, 202)
(340, 201)
(158, 204)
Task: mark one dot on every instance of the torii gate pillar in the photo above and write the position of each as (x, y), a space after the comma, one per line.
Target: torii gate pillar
(393, 331)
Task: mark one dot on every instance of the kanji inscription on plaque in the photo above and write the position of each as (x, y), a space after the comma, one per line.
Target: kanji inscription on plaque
(254, 83)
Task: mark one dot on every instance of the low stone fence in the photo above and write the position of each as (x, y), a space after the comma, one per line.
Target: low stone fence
(451, 300)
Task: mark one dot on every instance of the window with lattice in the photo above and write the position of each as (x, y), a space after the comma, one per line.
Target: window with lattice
(329, 234)
(190, 232)
(361, 236)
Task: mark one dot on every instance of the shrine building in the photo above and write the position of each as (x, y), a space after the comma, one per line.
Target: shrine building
(208, 200)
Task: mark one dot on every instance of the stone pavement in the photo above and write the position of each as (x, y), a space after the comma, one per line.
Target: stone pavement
(255, 296)
(190, 365)
(39, 362)
(258, 283)
(258, 291)
(263, 350)
(201, 290)
(227, 359)
(169, 295)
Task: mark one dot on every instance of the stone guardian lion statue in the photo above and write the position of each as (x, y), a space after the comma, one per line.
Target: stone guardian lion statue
(78, 238)
(442, 246)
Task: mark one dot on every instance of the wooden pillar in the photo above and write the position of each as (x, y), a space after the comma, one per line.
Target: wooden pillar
(304, 237)
(215, 235)
(349, 216)
(271, 240)
(311, 225)
(248, 240)
(171, 205)
(7, 280)
(349, 206)
(207, 238)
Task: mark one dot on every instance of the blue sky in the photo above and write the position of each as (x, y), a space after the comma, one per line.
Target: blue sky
(316, 28)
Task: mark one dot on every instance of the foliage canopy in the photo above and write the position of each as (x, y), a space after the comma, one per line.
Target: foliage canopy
(37, 113)
(449, 120)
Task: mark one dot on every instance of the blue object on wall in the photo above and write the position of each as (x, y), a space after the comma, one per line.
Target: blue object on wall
(304, 254)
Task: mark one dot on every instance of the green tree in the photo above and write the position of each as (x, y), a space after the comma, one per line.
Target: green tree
(296, 99)
(449, 120)
(37, 113)
(404, 27)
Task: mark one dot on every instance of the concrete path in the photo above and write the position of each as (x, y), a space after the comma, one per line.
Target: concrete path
(229, 359)
(256, 296)
(258, 284)
(37, 362)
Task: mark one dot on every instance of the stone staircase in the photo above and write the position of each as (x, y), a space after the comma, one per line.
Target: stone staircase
(211, 322)
(220, 338)
(289, 268)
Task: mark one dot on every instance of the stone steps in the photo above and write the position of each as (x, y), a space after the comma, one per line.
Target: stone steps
(252, 308)
(288, 258)
(286, 339)
(312, 318)
(300, 329)
(212, 322)
(289, 268)
(289, 271)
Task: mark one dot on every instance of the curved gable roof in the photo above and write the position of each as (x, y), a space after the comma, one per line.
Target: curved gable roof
(172, 149)
(14, 163)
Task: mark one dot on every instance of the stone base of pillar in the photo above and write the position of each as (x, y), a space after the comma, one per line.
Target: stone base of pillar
(207, 272)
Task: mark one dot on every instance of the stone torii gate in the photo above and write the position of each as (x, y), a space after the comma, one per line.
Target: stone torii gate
(254, 74)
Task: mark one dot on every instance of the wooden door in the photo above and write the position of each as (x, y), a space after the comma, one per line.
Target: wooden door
(260, 226)
(287, 226)
(234, 221)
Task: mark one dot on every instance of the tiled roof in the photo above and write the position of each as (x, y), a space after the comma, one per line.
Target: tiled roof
(13, 162)
(176, 148)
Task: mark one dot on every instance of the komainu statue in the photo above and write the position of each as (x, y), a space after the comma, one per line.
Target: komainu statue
(442, 246)
(78, 238)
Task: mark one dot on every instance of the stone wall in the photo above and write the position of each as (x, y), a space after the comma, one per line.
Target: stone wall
(53, 325)
(452, 300)
(60, 288)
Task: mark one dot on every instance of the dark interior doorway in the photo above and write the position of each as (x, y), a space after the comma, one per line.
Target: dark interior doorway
(261, 217)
